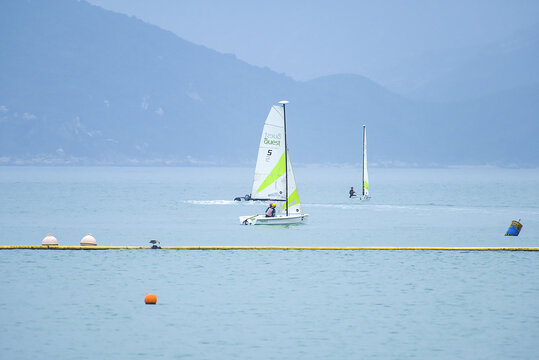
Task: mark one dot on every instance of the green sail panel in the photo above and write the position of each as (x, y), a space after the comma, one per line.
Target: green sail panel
(293, 200)
(275, 174)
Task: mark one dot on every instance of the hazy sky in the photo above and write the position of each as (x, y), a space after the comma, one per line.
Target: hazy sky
(388, 41)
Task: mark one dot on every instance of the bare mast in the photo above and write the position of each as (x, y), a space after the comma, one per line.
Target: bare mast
(284, 102)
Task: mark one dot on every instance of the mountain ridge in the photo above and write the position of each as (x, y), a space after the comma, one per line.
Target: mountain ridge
(84, 85)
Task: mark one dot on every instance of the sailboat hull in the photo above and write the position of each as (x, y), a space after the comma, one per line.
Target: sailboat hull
(361, 197)
(276, 220)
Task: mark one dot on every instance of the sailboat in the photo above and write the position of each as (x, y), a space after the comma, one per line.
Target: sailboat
(365, 187)
(274, 178)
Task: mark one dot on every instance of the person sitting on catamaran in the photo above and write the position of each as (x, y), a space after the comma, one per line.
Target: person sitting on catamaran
(352, 192)
(270, 211)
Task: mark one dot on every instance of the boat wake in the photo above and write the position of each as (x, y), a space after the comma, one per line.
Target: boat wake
(210, 202)
(380, 207)
(220, 202)
(427, 207)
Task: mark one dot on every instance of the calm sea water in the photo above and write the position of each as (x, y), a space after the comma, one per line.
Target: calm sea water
(268, 304)
(194, 206)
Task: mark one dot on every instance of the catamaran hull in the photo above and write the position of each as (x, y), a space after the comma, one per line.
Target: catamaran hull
(360, 197)
(277, 220)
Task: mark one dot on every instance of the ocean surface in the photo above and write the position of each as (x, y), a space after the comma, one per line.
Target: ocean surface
(268, 304)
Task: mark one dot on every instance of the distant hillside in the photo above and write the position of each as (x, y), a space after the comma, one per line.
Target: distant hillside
(83, 85)
(510, 63)
(102, 85)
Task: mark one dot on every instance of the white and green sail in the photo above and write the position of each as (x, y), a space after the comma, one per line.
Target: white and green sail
(294, 206)
(365, 173)
(271, 173)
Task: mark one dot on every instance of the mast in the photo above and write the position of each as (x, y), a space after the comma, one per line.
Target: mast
(363, 178)
(284, 102)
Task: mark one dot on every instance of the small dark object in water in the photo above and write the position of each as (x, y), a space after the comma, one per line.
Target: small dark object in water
(514, 228)
(247, 197)
(155, 244)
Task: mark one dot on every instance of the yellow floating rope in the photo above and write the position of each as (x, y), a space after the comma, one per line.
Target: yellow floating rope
(214, 247)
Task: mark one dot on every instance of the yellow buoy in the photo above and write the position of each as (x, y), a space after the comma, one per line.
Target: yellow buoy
(150, 299)
(49, 240)
(88, 240)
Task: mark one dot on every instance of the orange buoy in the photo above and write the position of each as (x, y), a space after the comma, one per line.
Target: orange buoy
(150, 299)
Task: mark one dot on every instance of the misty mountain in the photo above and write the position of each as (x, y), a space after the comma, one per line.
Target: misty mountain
(510, 63)
(80, 84)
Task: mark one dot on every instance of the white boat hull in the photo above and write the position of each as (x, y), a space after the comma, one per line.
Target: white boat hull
(360, 197)
(276, 220)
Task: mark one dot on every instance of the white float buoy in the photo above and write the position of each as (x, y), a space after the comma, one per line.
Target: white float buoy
(88, 240)
(49, 240)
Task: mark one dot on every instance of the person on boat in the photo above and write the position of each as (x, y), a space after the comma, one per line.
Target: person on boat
(270, 211)
(352, 192)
